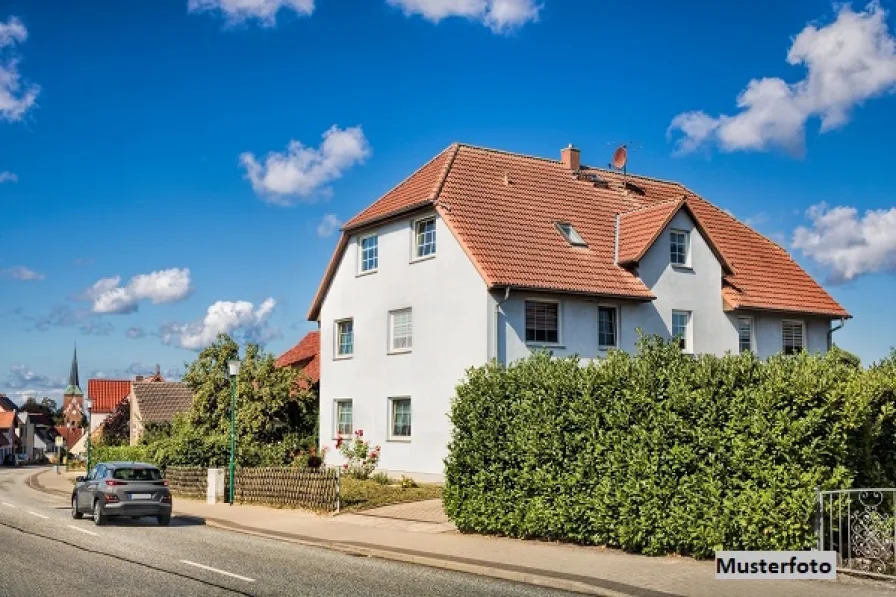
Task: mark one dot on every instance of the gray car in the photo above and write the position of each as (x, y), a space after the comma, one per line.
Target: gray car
(133, 489)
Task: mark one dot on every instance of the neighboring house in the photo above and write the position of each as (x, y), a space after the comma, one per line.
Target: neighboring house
(72, 408)
(8, 425)
(305, 357)
(154, 403)
(25, 432)
(484, 254)
(7, 405)
(106, 394)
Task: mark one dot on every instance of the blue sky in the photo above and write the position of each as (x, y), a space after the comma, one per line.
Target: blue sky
(161, 159)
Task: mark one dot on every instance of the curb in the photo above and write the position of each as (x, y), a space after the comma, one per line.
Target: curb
(518, 574)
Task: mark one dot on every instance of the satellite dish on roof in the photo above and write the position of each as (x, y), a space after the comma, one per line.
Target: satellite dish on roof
(620, 156)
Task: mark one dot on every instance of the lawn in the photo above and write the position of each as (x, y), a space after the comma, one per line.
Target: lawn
(363, 495)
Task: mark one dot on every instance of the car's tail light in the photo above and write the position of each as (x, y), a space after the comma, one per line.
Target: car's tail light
(165, 483)
(166, 499)
(113, 483)
(111, 497)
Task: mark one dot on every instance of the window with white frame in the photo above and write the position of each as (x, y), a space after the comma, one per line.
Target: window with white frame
(679, 242)
(345, 338)
(745, 334)
(606, 326)
(369, 253)
(424, 238)
(792, 334)
(343, 418)
(399, 418)
(543, 322)
(681, 330)
(571, 235)
(400, 330)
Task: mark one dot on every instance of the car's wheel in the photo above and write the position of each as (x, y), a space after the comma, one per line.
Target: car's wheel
(76, 514)
(164, 520)
(99, 518)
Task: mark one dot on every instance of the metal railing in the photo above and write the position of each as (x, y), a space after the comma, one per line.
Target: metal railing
(860, 525)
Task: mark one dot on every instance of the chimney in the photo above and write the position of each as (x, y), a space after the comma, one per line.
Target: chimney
(138, 378)
(570, 157)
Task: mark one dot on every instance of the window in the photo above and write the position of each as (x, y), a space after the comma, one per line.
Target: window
(571, 235)
(400, 330)
(745, 334)
(345, 338)
(400, 418)
(424, 238)
(792, 336)
(137, 474)
(543, 322)
(369, 253)
(681, 329)
(606, 326)
(344, 418)
(679, 247)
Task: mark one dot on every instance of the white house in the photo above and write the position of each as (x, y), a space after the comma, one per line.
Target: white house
(484, 254)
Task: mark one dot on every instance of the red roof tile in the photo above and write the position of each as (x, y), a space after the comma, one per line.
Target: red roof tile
(304, 356)
(70, 435)
(7, 420)
(502, 208)
(638, 228)
(107, 393)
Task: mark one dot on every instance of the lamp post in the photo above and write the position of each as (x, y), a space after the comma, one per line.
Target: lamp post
(89, 404)
(234, 367)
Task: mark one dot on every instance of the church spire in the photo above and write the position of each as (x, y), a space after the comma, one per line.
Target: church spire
(74, 385)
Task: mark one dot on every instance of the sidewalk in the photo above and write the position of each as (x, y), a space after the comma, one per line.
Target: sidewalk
(591, 570)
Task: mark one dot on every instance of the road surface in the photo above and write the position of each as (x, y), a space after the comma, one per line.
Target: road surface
(43, 551)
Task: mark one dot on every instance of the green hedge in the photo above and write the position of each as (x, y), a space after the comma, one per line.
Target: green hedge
(662, 452)
(103, 453)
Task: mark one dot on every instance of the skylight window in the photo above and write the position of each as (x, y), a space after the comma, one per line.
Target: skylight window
(570, 234)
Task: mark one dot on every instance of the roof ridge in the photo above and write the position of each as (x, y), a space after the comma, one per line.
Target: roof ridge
(652, 206)
(544, 159)
(443, 175)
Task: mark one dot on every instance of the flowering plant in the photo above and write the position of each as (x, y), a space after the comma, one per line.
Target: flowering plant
(360, 458)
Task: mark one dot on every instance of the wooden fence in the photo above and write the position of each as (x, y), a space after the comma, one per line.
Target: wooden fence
(187, 482)
(292, 487)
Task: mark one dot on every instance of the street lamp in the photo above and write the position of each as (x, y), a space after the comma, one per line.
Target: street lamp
(88, 402)
(233, 366)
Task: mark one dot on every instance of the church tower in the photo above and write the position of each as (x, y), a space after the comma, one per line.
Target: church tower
(73, 398)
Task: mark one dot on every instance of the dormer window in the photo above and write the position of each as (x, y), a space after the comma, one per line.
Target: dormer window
(679, 243)
(570, 234)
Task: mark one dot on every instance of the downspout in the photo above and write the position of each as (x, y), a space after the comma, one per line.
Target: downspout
(497, 322)
(831, 333)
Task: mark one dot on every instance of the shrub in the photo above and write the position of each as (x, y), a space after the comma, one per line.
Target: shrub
(408, 483)
(663, 452)
(104, 453)
(360, 459)
(381, 478)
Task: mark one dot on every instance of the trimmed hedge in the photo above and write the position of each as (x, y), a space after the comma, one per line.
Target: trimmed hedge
(663, 452)
(104, 453)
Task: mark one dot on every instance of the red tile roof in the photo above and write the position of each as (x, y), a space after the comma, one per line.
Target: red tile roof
(70, 435)
(502, 208)
(304, 356)
(7, 420)
(107, 393)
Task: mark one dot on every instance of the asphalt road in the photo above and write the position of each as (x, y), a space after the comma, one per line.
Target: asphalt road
(43, 551)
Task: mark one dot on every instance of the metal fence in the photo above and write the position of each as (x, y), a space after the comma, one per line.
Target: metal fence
(860, 525)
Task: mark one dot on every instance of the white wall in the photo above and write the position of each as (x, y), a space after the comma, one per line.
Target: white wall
(450, 334)
(96, 420)
(769, 333)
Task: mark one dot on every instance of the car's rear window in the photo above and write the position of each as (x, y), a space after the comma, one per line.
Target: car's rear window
(137, 474)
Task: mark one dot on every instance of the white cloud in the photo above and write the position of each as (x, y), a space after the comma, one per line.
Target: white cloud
(264, 11)
(847, 245)
(164, 286)
(7, 176)
(500, 16)
(847, 62)
(239, 318)
(135, 332)
(20, 272)
(22, 382)
(302, 171)
(15, 97)
(328, 225)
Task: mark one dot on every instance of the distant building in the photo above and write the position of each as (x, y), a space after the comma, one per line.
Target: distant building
(155, 403)
(72, 408)
(305, 357)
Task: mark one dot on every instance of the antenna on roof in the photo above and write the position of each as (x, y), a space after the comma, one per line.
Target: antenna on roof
(620, 160)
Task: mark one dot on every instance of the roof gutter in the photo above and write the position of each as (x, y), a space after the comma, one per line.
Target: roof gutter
(498, 304)
(832, 330)
(616, 243)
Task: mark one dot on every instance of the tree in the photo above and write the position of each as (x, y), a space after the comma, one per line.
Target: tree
(117, 426)
(46, 406)
(276, 416)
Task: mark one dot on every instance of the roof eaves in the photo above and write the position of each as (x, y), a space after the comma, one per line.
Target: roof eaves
(647, 297)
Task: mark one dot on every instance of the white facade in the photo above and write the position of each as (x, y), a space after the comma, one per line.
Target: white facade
(458, 323)
(448, 302)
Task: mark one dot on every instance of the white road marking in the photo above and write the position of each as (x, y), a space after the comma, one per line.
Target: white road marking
(36, 514)
(8, 504)
(71, 526)
(224, 572)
